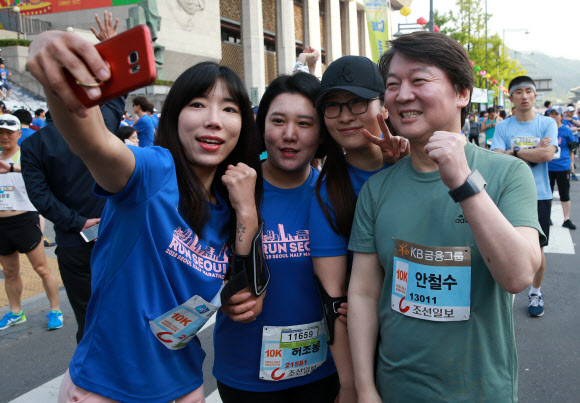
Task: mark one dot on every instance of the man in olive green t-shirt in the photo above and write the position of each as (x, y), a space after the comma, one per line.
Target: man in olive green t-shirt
(436, 256)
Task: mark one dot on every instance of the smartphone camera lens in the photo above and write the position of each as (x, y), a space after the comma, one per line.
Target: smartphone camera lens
(135, 68)
(133, 57)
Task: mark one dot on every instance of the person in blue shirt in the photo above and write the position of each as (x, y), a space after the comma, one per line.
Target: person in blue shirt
(276, 368)
(573, 123)
(174, 213)
(25, 120)
(523, 137)
(559, 168)
(144, 125)
(351, 103)
(39, 118)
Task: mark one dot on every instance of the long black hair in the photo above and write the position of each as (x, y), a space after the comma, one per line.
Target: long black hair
(195, 82)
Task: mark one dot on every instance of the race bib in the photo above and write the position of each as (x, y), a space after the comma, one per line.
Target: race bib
(431, 283)
(526, 142)
(7, 197)
(292, 351)
(176, 328)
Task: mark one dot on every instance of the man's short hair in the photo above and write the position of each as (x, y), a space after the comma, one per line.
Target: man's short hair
(24, 116)
(521, 80)
(142, 102)
(434, 49)
(491, 109)
(547, 104)
(38, 112)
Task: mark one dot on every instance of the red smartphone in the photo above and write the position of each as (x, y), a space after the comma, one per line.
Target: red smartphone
(132, 63)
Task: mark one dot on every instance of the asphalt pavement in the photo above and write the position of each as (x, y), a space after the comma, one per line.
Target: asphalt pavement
(32, 356)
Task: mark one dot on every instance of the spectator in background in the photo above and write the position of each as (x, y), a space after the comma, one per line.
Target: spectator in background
(472, 129)
(4, 74)
(502, 114)
(39, 118)
(488, 125)
(151, 112)
(127, 120)
(25, 120)
(548, 106)
(559, 168)
(128, 135)
(20, 232)
(144, 125)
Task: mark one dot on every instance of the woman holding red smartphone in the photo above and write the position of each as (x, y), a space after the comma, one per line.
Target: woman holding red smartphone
(173, 212)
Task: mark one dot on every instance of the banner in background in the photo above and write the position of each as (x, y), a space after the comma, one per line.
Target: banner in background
(377, 13)
(38, 7)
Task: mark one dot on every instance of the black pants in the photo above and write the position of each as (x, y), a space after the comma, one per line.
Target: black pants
(323, 391)
(474, 139)
(75, 269)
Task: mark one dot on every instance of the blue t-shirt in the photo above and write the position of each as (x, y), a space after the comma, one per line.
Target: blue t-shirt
(323, 240)
(145, 130)
(3, 75)
(572, 126)
(155, 119)
(38, 122)
(291, 299)
(146, 262)
(565, 137)
(540, 127)
(26, 132)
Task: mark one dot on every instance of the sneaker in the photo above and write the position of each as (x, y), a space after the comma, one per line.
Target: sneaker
(47, 243)
(536, 307)
(574, 177)
(568, 224)
(11, 319)
(54, 320)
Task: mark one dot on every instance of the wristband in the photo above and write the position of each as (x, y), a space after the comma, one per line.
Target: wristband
(11, 167)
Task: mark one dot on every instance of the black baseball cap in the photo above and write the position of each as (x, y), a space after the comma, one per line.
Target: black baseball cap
(355, 74)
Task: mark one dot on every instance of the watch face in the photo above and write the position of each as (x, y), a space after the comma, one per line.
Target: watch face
(478, 180)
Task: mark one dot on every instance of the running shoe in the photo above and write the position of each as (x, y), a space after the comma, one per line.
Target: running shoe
(47, 243)
(574, 177)
(536, 307)
(11, 319)
(568, 224)
(54, 320)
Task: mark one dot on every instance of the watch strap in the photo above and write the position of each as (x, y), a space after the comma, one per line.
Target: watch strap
(473, 185)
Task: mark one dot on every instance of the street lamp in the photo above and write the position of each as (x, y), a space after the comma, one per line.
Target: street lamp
(16, 9)
(407, 27)
(524, 30)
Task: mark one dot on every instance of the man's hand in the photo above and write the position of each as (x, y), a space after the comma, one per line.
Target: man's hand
(393, 147)
(447, 150)
(90, 222)
(108, 30)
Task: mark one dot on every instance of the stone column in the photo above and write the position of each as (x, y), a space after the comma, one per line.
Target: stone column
(253, 49)
(285, 36)
(333, 36)
(352, 47)
(312, 32)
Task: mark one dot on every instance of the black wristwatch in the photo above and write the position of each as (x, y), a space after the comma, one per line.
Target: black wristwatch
(11, 166)
(516, 149)
(473, 185)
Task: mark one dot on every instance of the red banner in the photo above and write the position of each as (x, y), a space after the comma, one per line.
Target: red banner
(37, 7)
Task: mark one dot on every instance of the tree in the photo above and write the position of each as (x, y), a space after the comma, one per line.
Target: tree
(466, 24)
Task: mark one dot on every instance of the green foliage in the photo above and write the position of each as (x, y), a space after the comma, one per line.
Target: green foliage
(466, 24)
(167, 83)
(14, 42)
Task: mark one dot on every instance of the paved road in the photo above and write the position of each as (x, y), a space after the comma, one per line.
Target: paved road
(31, 356)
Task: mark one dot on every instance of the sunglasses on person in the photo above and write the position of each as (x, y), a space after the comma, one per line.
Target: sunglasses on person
(8, 122)
(356, 106)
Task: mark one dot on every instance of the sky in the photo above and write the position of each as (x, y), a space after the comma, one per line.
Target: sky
(552, 29)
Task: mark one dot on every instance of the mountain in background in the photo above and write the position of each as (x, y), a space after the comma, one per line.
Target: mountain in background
(564, 73)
